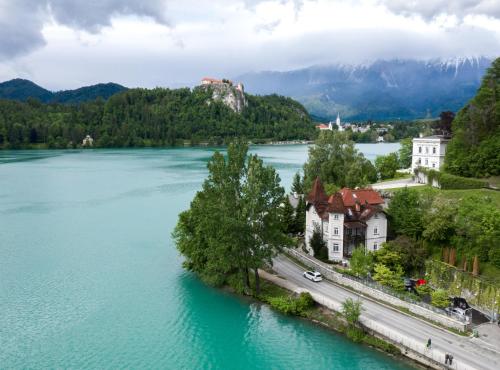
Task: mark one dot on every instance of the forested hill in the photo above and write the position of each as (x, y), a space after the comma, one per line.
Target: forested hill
(141, 117)
(22, 90)
(475, 146)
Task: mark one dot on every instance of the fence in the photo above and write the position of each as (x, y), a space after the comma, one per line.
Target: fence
(380, 292)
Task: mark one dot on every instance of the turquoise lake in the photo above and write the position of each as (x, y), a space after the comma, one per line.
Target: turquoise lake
(89, 276)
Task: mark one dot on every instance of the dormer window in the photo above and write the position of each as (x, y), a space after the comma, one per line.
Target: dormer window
(376, 215)
(335, 216)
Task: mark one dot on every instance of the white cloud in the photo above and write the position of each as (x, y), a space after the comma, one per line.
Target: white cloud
(175, 42)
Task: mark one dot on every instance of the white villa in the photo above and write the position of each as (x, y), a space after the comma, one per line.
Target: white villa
(429, 152)
(347, 219)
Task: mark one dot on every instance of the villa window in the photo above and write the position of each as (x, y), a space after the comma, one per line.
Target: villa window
(376, 215)
(375, 246)
(335, 231)
(335, 247)
(420, 149)
(335, 217)
(426, 162)
(433, 165)
(433, 150)
(375, 231)
(426, 150)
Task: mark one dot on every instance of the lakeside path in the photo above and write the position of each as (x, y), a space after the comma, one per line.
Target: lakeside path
(465, 350)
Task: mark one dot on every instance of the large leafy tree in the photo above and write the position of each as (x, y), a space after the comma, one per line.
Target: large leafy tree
(234, 222)
(387, 165)
(406, 213)
(475, 146)
(336, 161)
(405, 153)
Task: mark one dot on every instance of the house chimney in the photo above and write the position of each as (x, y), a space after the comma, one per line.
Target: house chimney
(420, 135)
(357, 206)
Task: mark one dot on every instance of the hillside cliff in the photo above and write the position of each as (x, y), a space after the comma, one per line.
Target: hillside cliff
(231, 96)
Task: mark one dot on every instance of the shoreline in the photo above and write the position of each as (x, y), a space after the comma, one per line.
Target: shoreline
(326, 318)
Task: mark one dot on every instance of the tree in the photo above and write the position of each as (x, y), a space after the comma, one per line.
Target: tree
(351, 310)
(297, 186)
(318, 245)
(261, 196)
(288, 216)
(405, 153)
(385, 276)
(439, 298)
(475, 144)
(300, 216)
(405, 213)
(404, 251)
(475, 266)
(335, 160)
(440, 222)
(387, 166)
(443, 126)
(361, 262)
(234, 222)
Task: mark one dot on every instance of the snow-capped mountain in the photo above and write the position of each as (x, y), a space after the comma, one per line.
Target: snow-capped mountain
(383, 89)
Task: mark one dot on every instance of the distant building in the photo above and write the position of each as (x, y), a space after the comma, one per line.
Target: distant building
(323, 126)
(347, 220)
(429, 152)
(337, 122)
(88, 141)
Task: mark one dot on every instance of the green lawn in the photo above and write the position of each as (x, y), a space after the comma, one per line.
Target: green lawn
(494, 195)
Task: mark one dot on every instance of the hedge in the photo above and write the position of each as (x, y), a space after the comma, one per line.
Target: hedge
(449, 181)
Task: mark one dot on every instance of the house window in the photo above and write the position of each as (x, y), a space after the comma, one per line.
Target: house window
(433, 150)
(375, 231)
(335, 247)
(426, 150)
(335, 216)
(426, 161)
(375, 246)
(376, 215)
(420, 149)
(419, 161)
(433, 165)
(335, 231)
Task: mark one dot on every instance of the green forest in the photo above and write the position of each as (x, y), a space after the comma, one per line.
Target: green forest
(157, 117)
(474, 150)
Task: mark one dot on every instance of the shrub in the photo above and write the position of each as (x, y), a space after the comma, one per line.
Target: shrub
(292, 306)
(355, 334)
(351, 310)
(439, 298)
(381, 344)
(304, 302)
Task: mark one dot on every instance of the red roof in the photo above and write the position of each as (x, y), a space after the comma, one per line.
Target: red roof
(336, 204)
(344, 201)
(364, 196)
(317, 193)
(322, 126)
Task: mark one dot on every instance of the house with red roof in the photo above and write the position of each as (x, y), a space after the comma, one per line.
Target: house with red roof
(347, 219)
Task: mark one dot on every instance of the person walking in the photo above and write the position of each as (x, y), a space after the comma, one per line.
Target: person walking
(429, 343)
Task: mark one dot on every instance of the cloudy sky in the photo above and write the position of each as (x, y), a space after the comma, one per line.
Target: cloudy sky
(63, 44)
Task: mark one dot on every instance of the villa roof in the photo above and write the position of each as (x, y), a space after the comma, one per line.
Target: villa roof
(317, 193)
(364, 196)
(336, 204)
(356, 205)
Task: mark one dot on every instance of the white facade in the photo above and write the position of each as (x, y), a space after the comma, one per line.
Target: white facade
(334, 233)
(428, 152)
(376, 231)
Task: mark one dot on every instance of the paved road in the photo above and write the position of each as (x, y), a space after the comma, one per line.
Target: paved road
(466, 350)
(401, 183)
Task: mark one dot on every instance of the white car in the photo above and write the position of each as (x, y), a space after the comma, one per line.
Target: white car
(313, 276)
